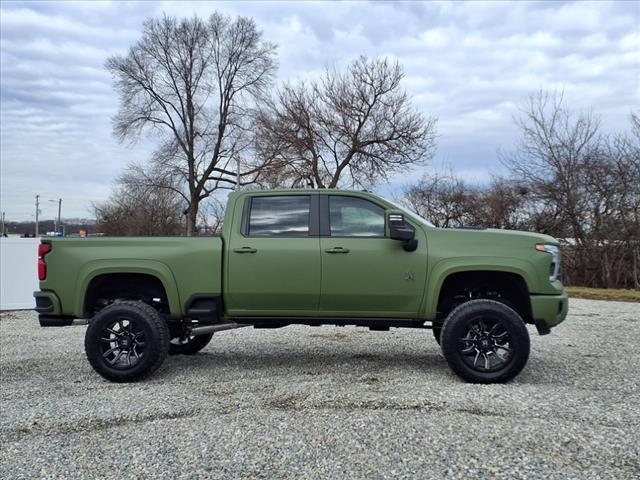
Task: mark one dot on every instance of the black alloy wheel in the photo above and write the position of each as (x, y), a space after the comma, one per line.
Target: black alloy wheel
(486, 345)
(123, 343)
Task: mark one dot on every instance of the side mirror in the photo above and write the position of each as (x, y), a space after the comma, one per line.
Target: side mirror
(399, 229)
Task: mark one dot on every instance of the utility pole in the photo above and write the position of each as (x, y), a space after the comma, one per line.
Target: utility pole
(2, 223)
(59, 224)
(37, 212)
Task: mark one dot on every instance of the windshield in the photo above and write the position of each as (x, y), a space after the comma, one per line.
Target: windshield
(408, 212)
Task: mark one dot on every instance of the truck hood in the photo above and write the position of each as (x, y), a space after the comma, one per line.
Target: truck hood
(497, 233)
(491, 242)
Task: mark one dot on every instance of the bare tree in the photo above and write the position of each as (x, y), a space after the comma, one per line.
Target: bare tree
(585, 186)
(500, 205)
(212, 216)
(346, 128)
(195, 84)
(448, 201)
(614, 192)
(441, 198)
(136, 209)
(566, 180)
(553, 154)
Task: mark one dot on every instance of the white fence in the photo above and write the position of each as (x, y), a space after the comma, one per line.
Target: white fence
(18, 272)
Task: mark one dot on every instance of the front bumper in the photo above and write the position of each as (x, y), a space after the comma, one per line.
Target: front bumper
(549, 310)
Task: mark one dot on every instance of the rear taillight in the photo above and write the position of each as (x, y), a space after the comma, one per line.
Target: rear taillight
(43, 249)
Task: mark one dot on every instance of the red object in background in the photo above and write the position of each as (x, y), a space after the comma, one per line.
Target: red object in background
(43, 249)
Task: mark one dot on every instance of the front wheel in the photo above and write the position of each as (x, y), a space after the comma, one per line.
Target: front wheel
(126, 341)
(485, 341)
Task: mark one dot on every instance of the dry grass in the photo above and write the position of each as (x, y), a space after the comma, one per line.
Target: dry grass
(604, 294)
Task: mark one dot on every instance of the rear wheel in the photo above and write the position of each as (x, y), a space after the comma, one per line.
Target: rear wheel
(189, 345)
(485, 341)
(126, 341)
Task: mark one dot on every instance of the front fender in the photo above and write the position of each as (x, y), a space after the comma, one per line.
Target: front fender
(443, 268)
(161, 271)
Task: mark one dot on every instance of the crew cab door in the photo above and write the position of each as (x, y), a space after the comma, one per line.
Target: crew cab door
(273, 257)
(364, 272)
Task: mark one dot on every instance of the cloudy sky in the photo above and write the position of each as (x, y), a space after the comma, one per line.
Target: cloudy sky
(469, 64)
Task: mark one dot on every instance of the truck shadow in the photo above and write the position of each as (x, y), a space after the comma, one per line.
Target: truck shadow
(306, 362)
(384, 366)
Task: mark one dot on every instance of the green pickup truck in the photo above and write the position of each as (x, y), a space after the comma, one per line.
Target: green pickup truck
(310, 257)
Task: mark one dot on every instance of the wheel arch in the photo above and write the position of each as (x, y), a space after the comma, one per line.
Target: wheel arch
(517, 271)
(150, 268)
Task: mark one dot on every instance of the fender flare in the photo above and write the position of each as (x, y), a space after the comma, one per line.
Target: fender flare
(159, 270)
(444, 268)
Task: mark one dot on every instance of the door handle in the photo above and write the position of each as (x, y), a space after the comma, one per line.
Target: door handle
(245, 250)
(337, 250)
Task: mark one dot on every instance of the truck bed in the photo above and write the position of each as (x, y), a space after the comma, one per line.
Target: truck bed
(186, 266)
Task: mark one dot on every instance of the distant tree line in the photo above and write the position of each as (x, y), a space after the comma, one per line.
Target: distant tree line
(71, 226)
(566, 179)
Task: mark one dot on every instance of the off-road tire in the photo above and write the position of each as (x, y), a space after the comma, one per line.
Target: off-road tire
(454, 340)
(153, 329)
(193, 346)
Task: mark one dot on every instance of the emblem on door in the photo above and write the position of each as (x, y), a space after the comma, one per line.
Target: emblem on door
(409, 276)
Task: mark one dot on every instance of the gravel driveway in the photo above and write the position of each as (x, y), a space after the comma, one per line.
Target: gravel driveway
(302, 402)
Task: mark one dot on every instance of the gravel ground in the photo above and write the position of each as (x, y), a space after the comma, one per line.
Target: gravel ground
(302, 402)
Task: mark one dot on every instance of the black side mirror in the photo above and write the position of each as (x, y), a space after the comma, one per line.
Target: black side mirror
(399, 229)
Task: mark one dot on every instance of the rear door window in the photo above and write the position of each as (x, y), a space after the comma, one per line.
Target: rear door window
(280, 216)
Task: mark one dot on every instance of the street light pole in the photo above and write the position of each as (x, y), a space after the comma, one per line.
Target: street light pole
(57, 224)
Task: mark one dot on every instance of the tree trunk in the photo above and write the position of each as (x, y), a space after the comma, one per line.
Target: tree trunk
(192, 217)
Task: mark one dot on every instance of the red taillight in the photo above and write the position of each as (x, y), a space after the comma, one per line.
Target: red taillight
(43, 249)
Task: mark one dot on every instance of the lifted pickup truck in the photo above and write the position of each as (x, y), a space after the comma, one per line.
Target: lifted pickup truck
(311, 257)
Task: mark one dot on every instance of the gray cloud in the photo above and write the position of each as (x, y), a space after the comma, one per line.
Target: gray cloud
(470, 64)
